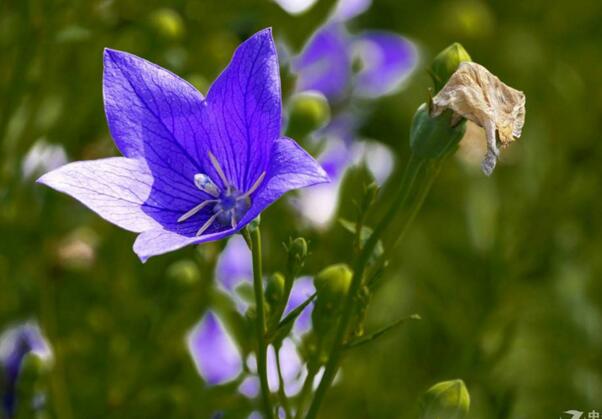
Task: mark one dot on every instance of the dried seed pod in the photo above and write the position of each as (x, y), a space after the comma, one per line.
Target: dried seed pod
(474, 93)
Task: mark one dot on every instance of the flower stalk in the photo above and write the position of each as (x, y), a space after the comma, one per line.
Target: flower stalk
(432, 139)
(260, 320)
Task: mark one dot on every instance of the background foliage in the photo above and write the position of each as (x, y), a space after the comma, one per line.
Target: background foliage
(505, 271)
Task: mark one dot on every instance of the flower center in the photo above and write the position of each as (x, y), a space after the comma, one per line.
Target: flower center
(229, 205)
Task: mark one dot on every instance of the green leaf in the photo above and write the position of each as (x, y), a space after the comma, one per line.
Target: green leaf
(373, 336)
(364, 236)
(284, 327)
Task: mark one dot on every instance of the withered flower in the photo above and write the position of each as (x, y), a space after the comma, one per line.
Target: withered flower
(472, 92)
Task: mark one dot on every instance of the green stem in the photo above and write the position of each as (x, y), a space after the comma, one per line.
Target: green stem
(305, 391)
(414, 167)
(281, 390)
(58, 386)
(260, 322)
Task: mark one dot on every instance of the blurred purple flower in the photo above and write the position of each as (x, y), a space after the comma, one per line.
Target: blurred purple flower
(234, 264)
(15, 344)
(326, 62)
(302, 289)
(214, 352)
(195, 169)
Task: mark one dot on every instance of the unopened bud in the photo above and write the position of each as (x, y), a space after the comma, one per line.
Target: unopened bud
(433, 137)
(309, 111)
(184, 272)
(168, 23)
(274, 290)
(297, 252)
(333, 282)
(446, 63)
(446, 400)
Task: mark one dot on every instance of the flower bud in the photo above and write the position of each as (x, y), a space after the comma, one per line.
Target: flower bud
(168, 23)
(333, 282)
(434, 137)
(184, 272)
(297, 252)
(446, 400)
(274, 290)
(309, 111)
(446, 63)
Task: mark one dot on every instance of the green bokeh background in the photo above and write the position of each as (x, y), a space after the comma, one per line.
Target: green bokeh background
(505, 271)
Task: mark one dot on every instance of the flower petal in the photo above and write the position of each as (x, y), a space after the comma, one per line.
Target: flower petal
(115, 188)
(214, 352)
(290, 168)
(155, 115)
(348, 9)
(159, 241)
(234, 264)
(244, 110)
(142, 98)
(302, 289)
(387, 60)
(324, 63)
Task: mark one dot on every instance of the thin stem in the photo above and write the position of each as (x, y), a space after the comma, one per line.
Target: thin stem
(414, 167)
(260, 322)
(281, 389)
(58, 386)
(305, 391)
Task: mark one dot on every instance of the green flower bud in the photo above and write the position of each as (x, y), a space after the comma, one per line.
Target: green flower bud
(168, 23)
(446, 63)
(434, 137)
(309, 111)
(297, 252)
(184, 272)
(333, 282)
(446, 400)
(274, 290)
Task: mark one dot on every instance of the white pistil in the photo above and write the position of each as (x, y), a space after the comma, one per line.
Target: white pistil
(196, 209)
(208, 223)
(218, 169)
(205, 184)
(254, 187)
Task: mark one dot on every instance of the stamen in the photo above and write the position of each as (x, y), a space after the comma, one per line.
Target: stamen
(218, 168)
(205, 184)
(196, 209)
(233, 221)
(208, 223)
(253, 188)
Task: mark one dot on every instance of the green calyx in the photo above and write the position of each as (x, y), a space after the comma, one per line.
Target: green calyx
(435, 137)
(446, 400)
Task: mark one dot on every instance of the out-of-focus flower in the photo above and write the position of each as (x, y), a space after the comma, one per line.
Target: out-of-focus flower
(296, 7)
(41, 158)
(327, 62)
(78, 250)
(214, 352)
(319, 204)
(15, 344)
(195, 169)
(234, 264)
(472, 92)
(302, 289)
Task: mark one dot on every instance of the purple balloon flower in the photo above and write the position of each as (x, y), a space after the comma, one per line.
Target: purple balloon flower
(195, 168)
(214, 352)
(15, 344)
(326, 62)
